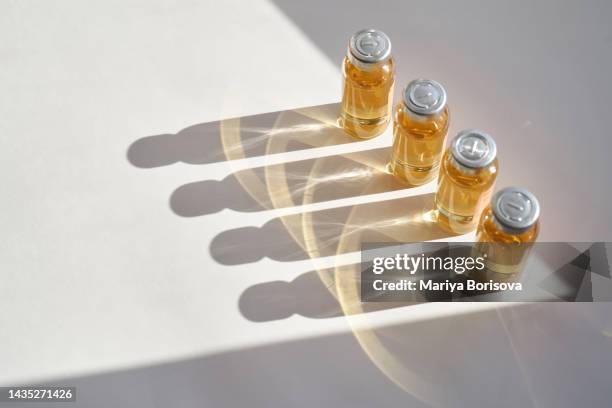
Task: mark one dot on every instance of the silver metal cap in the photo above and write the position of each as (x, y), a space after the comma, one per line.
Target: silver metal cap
(424, 97)
(473, 149)
(515, 208)
(370, 46)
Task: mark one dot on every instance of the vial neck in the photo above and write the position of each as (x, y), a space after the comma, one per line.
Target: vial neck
(362, 65)
(508, 230)
(463, 169)
(419, 117)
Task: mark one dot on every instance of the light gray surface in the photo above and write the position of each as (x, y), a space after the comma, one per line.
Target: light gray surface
(528, 356)
(102, 272)
(535, 75)
(97, 270)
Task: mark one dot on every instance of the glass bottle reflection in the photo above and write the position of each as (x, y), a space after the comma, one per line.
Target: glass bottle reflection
(420, 125)
(467, 176)
(506, 232)
(368, 77)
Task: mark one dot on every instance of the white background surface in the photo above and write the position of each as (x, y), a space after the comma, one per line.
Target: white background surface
(97, 273)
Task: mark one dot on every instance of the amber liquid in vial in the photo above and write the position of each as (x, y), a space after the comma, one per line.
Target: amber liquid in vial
(465, 184)
(506, 233)
(368, 77)
(420, 126)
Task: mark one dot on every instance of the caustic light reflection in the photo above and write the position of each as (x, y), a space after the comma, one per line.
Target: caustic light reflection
(357, 174)
(264, 134)
(352, 229)
(430, 216)
(338, 231)
(300, 128)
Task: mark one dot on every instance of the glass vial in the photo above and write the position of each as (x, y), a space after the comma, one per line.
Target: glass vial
(506, 232)
(368, 76)
(420, 125)
(467, 176)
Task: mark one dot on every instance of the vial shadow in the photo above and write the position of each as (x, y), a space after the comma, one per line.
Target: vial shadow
(305, 296)
(243, 137)
(289, 184)
(325, 233)
(308, 296)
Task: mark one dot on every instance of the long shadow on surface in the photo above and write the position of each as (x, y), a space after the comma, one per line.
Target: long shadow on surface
(238, 138)
(289, 184)
(305, 296)
(326, 232)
